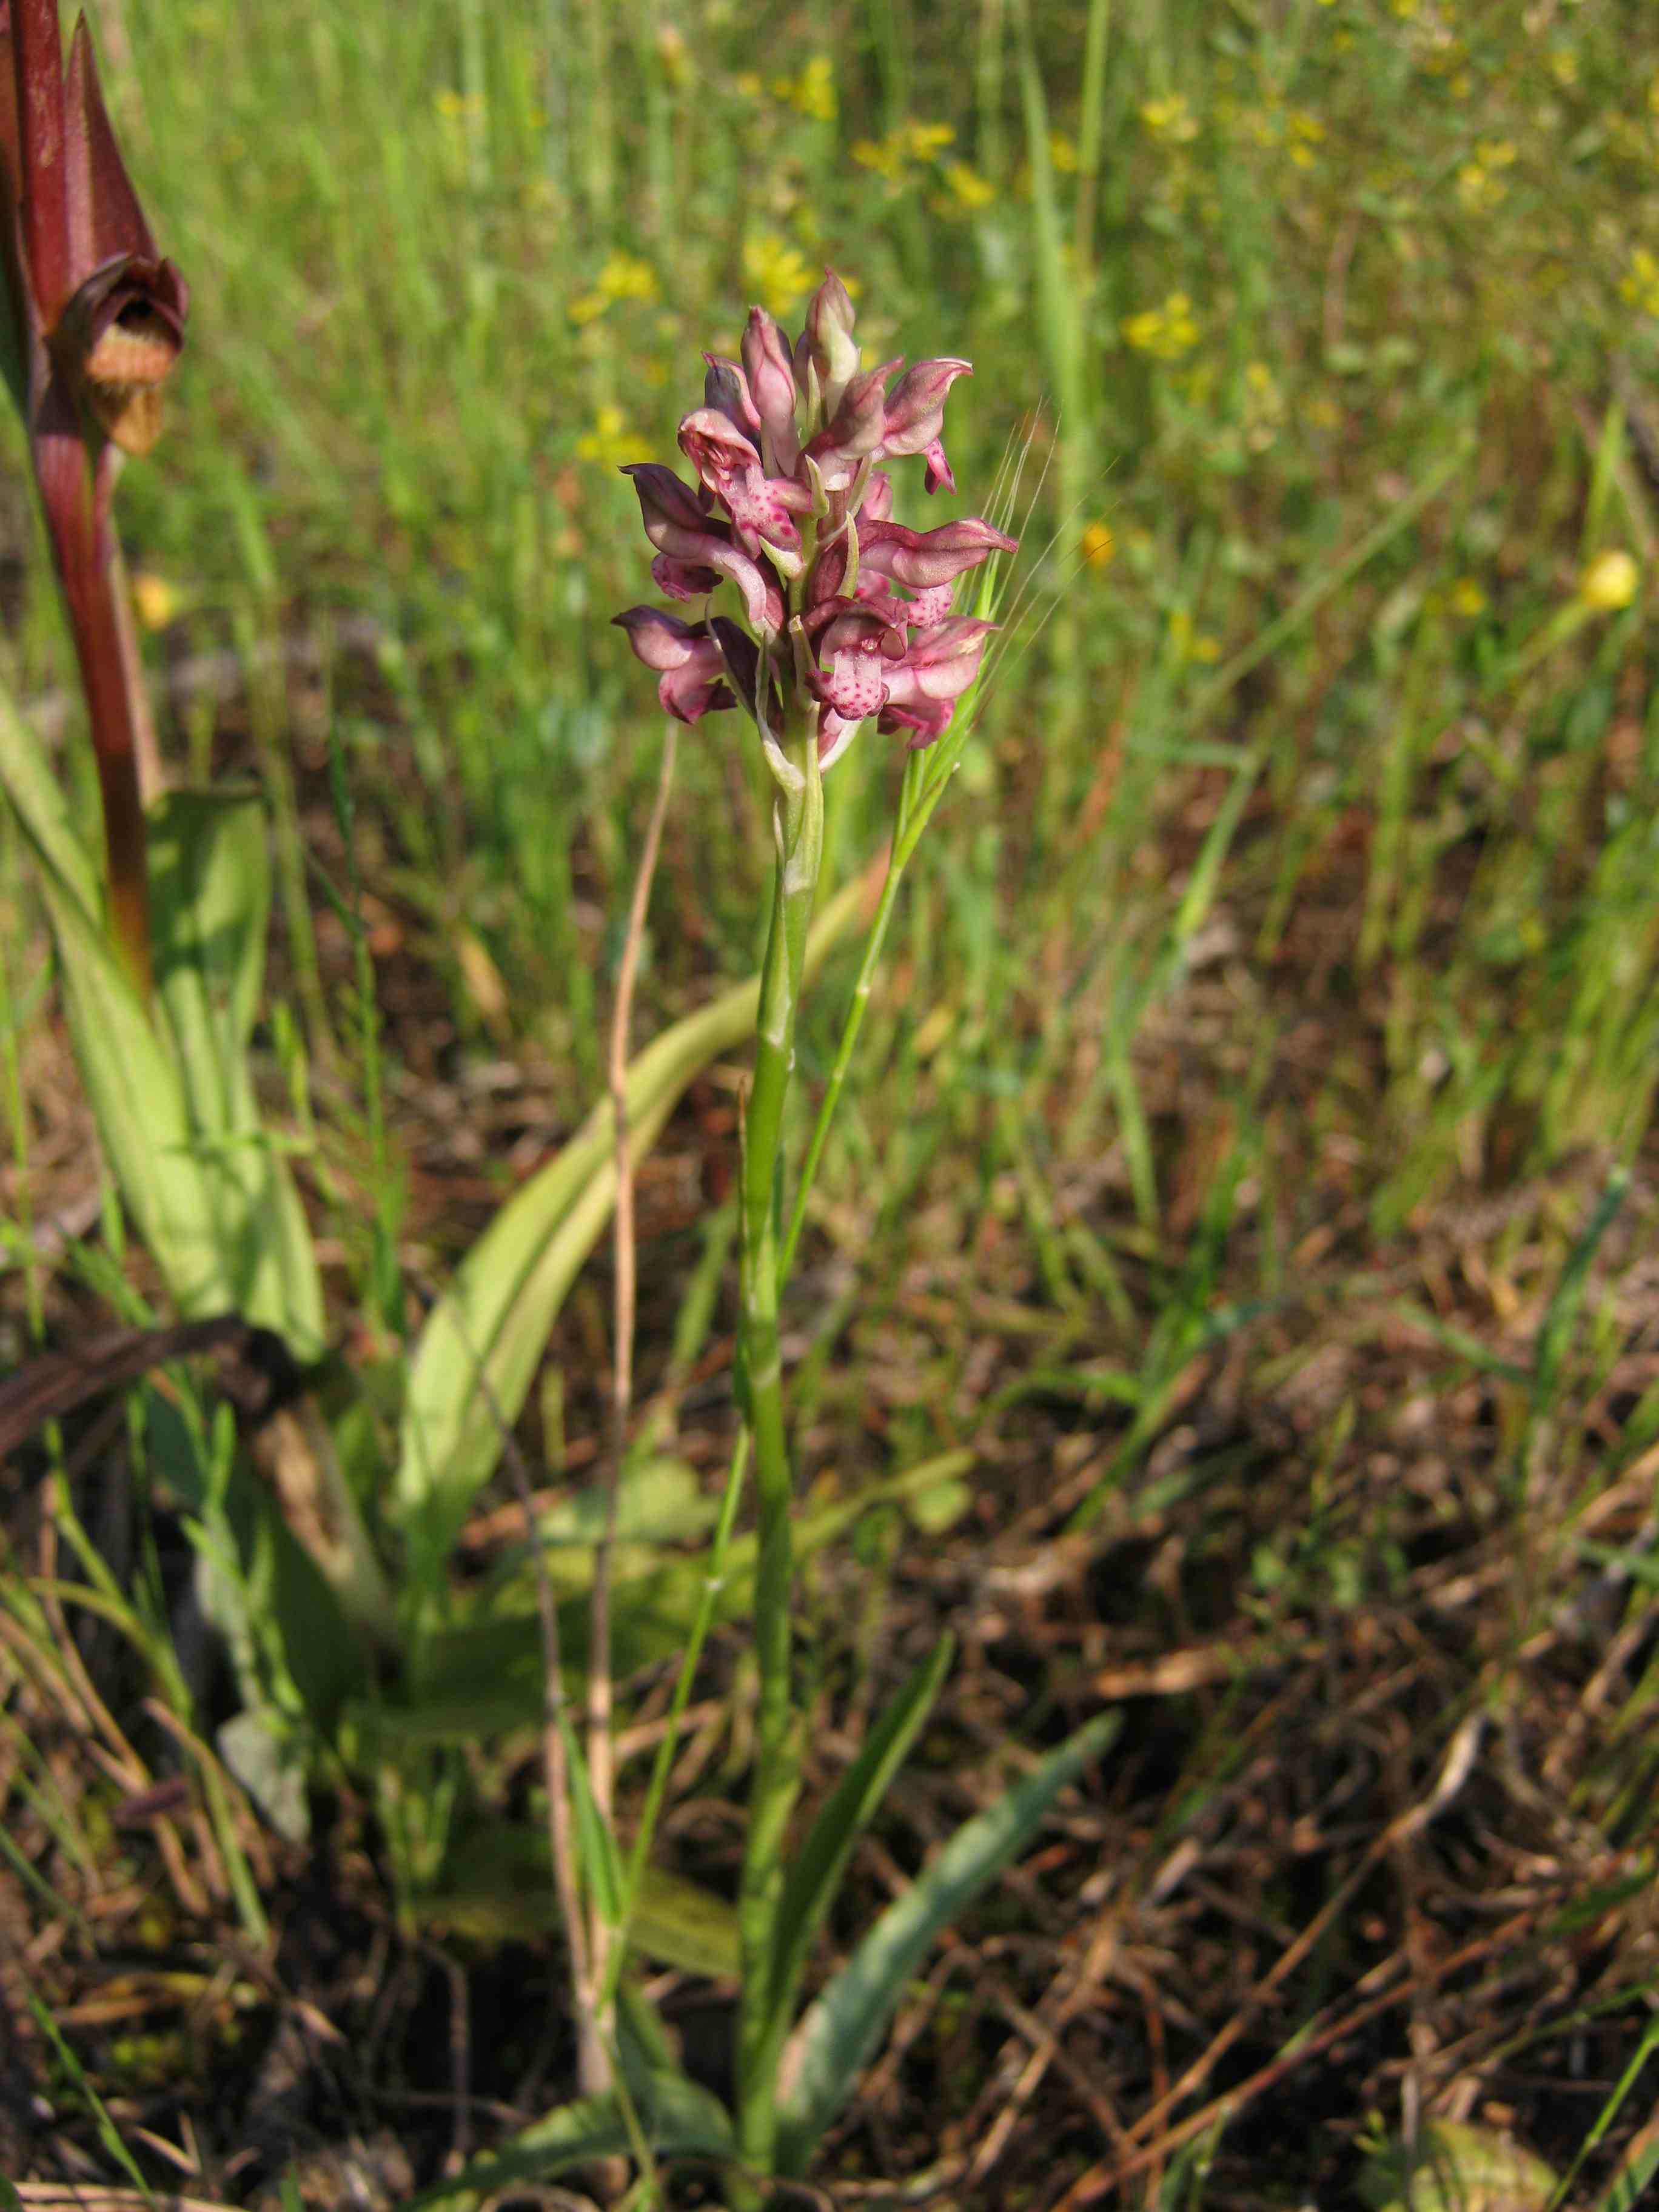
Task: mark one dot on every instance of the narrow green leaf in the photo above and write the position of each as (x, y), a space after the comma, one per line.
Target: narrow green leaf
(596, 1846)
(839, 2032)
(816, 1874)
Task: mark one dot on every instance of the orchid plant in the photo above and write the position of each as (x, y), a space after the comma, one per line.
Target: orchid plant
(847, 617)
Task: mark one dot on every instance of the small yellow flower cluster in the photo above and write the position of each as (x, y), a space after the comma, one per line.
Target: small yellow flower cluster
(1264, 406)
(623, 278)
(1165, 332)
(780, 272)
(1170, 120)
(911, 141)
(1641, 281)
(674, 56)
(1609, 582)
(154, 598)
(608, 442)
(1564, 67)
(1464, 600)
(452, 106)
(1188, 644)
(1098, 546)
(1481, 184)
(967, 186)
(813, 92)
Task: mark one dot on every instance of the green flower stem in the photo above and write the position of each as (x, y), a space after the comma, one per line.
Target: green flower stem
(777, 1748)
(713, 1582)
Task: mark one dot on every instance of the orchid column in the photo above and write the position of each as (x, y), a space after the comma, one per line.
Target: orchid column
(846, 615)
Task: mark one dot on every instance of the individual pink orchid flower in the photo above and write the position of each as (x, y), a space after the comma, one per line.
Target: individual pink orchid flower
(849, 612)
(97, 321)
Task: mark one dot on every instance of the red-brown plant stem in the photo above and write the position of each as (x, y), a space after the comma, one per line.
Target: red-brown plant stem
(83, 548)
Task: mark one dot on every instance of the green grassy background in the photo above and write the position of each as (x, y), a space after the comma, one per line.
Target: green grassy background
(1276, 998)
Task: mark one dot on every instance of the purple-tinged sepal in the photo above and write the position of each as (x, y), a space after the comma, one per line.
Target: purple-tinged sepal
(689, 660)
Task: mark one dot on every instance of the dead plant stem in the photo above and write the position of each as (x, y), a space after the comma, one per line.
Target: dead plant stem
(600, 1699)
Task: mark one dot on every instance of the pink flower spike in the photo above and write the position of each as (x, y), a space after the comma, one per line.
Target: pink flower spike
(689, 660)
(919, 559)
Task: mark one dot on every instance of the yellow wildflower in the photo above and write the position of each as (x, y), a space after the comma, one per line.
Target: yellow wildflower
(1170, 120)
(922, 141)
(1264, 406)
(885, 156)
(968, 186)
(1188, 644)
(1165, 332)
(813, 92)
(674, 55)
(780, 272)
(1641, 281)
(608, 442)
(1062, 153)
(1099, 547)
(623, 278)
(1467, 598)
(1481, 185)
(1609, 582)
(747, 85)
(156, 601)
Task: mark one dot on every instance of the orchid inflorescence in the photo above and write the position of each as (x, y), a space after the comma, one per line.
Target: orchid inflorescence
(792, 510)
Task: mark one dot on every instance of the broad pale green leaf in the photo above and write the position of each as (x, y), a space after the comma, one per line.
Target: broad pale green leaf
(497, 1888)
(174, 1103)
(816, 1874)
(484, 1339)
(483, 1674)
(841, 2029)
